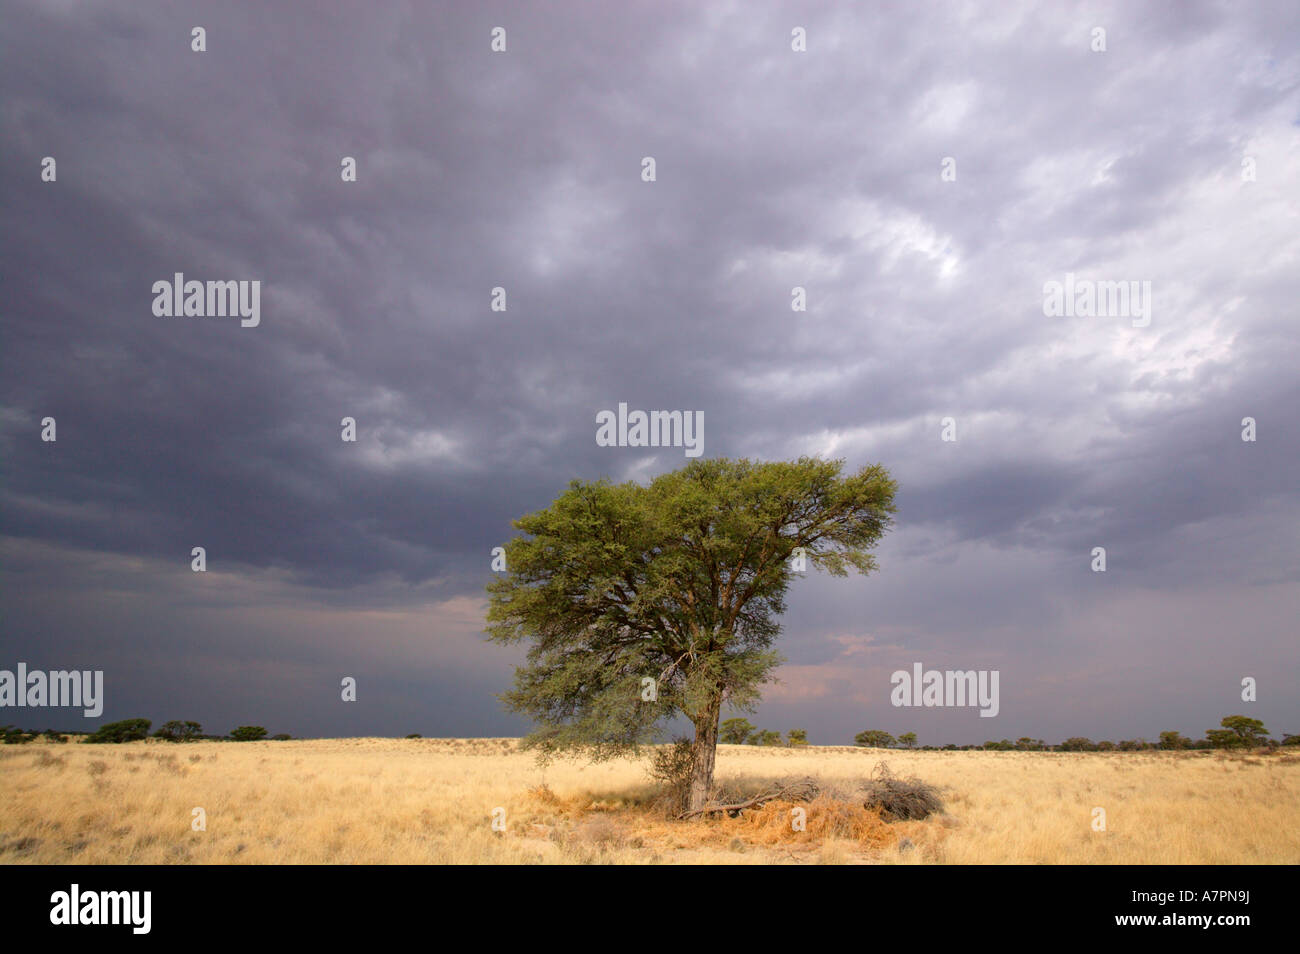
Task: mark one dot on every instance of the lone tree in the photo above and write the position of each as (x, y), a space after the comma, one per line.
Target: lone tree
(644, 603)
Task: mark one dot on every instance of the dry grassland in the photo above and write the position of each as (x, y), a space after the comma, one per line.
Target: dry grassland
(427, 801)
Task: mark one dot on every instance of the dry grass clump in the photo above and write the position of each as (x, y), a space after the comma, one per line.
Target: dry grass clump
(44, 759)
(823, 816)
(600, 831)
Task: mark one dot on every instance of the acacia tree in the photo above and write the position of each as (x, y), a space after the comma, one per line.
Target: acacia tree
(179, 731)
(736, 731)
(644, 603)
(1238, 731)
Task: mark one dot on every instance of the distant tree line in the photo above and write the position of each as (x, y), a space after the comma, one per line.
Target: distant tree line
(1235, 732)
(740, 732)
(133, 730)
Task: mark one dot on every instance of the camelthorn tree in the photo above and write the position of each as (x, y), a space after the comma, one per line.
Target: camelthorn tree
(645, 603)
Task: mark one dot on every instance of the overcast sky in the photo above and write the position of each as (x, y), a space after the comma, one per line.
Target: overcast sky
(1171, 157)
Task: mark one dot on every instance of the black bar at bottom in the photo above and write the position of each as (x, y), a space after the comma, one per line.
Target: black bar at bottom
(332, 904)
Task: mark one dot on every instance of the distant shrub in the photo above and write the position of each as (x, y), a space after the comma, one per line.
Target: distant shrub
(176, 731)
(127, 730)
(415, 735)
(1078, 744)
(248, 733)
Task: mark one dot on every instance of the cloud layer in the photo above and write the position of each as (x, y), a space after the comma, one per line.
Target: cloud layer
(775, 169)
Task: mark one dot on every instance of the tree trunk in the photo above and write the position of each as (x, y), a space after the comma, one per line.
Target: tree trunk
(704, 753)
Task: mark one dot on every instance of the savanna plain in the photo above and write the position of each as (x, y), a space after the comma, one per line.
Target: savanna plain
(433, 801)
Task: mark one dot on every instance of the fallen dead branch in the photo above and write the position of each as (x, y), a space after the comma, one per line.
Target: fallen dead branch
(802, 790)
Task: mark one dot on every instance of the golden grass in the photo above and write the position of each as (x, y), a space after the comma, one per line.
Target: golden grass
(431, 801)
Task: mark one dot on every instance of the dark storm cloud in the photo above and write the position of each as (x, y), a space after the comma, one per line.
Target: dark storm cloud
(521, 170)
